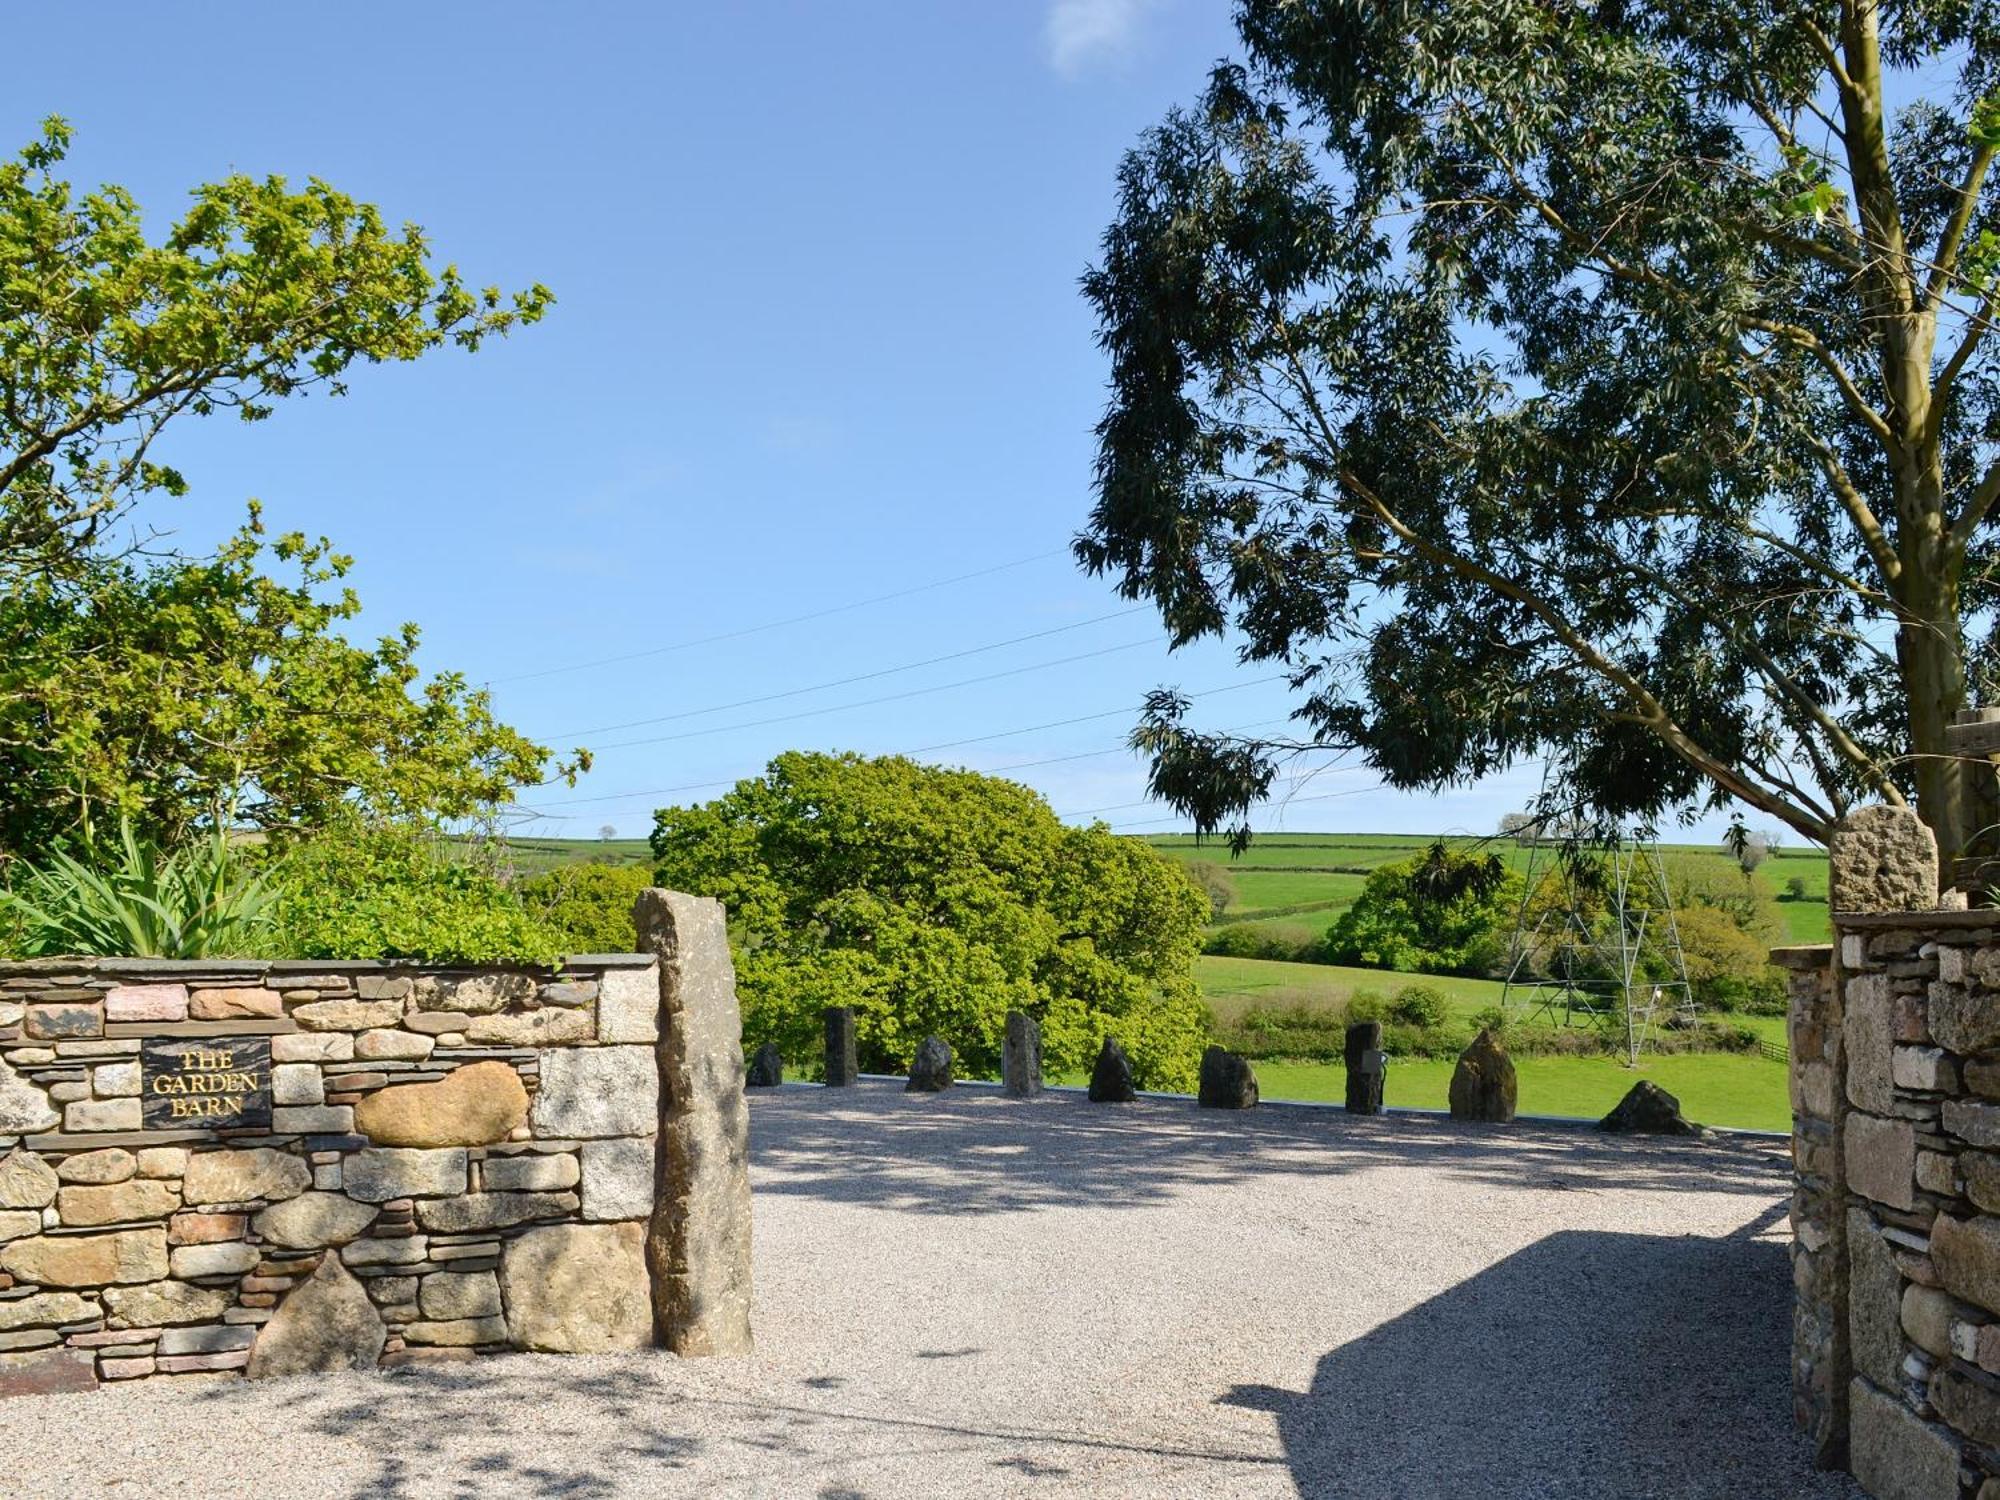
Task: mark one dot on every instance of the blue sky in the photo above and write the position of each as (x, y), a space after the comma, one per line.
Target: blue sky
(818, 340)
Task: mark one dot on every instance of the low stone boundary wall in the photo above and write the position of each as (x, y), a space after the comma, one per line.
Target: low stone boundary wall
(287, 1167)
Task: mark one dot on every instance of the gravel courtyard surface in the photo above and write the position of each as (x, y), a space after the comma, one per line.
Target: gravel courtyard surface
(962, 1295)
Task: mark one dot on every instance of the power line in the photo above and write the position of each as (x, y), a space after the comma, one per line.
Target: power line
(817, 614)
(835, 708)
(1355, 791)
(931, 661)
(702, 786)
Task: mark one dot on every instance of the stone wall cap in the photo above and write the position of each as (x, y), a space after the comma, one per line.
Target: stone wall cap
(239, 968)
(1803, 956)
(1942, 920)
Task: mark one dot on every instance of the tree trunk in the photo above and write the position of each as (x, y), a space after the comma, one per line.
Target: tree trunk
(1954, 797)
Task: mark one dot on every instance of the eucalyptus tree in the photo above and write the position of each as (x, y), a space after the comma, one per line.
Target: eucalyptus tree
(1609, 382)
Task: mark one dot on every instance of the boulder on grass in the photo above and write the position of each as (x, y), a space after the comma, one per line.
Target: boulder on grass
(1648, 1109)
(767, 1068)
(1111, 1079)
(1483, 1085)
(1227, 1081)
(930, 1069)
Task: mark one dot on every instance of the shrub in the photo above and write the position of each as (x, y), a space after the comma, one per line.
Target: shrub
(135, 900)
(588, 904)
(1795, 888)
(397, 891)
(1282, 945)
(1420, 1006)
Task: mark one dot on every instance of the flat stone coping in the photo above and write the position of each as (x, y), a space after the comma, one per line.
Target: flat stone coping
(244, 968)
(1559, 1122)
(1943, 921)
(1803, 956)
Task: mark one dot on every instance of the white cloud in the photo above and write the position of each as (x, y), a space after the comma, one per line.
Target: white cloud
(1080, 33)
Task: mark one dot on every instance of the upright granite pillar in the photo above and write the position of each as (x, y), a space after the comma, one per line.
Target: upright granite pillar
(843, 1060)
(698, 1241)
(1021, 1057)
(1822, 1361)
(1367, 1068)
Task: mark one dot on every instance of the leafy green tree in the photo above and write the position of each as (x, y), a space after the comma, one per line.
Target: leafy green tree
(1440, 912)
(1611, 383)
(936, 901)
(175, 690)
(201, 692)
(256, 294)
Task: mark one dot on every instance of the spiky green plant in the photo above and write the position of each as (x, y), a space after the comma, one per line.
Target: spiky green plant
(136, 900)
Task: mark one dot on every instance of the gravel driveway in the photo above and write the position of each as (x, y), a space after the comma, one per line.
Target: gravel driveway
(960, 1295)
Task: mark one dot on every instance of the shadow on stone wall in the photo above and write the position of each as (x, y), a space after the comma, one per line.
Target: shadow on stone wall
(1489, 1389)
(875, 1145)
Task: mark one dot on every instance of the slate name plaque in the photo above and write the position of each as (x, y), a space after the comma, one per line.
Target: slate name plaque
(215, 1081)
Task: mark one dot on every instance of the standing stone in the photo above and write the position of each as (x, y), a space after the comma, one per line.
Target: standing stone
(1483, 1086)
(579, 1288)
(1883, 859)
(1648, 1109)
(1111, 1078)
(1367, 1068)
(697, 1245)
(1227, 1081)
(930, 1069)
(843, 1061)
(767, 1068)
(1021, 1056)
(326, 1324)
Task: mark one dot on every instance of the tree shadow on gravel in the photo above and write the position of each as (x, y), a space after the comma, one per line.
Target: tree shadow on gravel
(1588, 1365)
(493, 1426)
(975, 1152)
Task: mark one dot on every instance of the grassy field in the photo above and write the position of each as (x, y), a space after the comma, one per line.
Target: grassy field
(1233, 985)
(1297, 884)
(1748, 1093)
(1326, 871)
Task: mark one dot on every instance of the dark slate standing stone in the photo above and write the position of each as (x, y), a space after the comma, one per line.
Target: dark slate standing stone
(767, 1068)
(1111, 1079)
(843, 1062)
(1483, 1085)
(1021, 1057)
(930, 1069)
(1367, 1068)
(1227, 1080)
(1648, 1109)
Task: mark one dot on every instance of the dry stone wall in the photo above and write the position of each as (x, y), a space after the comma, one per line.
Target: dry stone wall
(275, 1168)
(1820, 1362)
